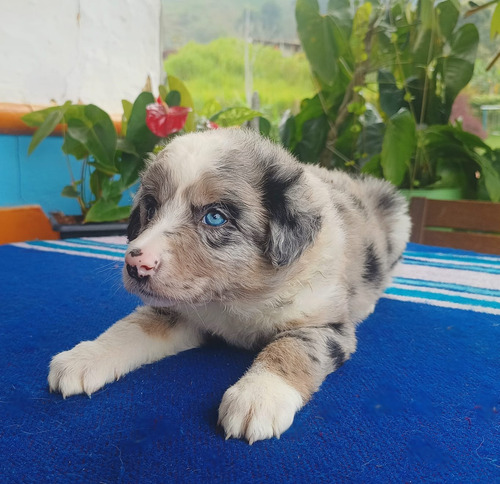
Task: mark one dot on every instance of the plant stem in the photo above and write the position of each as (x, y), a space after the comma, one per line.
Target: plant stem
(358, 79)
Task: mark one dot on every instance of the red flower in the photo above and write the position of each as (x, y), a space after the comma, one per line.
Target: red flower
(212, 125)
(163, 120)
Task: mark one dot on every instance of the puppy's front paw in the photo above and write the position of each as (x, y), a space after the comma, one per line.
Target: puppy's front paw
(259, 406)
(83, 369)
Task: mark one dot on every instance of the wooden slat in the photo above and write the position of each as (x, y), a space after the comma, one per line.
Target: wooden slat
(417, 212)
(463, 240)
(463, 214)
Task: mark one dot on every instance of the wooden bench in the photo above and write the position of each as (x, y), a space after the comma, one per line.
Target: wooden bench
(462, 224)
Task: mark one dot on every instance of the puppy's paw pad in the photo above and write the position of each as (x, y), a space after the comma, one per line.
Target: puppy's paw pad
(259, 406)
(82, 369)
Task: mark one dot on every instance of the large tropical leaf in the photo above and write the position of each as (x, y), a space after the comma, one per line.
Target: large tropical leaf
(106, 211)
(322, 39)
(95, 130)
(46, 120)
(137, 131)
(398, 146)
(391, 97)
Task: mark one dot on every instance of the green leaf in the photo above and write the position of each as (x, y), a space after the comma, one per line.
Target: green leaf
(73, 147)
(391, 98)
(314, 134)
(464, 43)
(137, 131)
(129, 168)
(427, 14)
(127, 111)
(264, 126)
(287, 134)
(448, 13)
(70, 191)
(234, 116)
(111, 190)
(97, 133)
(37, 118)
(52, 119)
(495, 22)
(491, 177)
(97, 179)
(126, 146)
(373, 167)
(173, 98)
(457, 68)
(163, 91)
(175, 84)
(398, 146)
(360, 28)
(106, 211)
(210, 108)
(322, 40)
(309, 109)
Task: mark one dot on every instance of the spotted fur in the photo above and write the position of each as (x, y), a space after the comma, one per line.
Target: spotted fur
(303, 257)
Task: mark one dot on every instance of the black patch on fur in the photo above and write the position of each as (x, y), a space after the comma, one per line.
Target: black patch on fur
(313, 358)
(134, 224)
(357, 203)
(386, 202)
(171, 316)
(373, 268)
(222, 238)
(389, 245)
(292, 227)
(150, 206)
(274, 197)
(340, 207)
(336, 353)
(294, 334)
(337, 328)
(230, 209)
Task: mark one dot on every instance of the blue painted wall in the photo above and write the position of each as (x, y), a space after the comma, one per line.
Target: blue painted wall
(39, 178)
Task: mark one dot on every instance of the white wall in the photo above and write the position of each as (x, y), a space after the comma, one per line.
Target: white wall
(93, 51)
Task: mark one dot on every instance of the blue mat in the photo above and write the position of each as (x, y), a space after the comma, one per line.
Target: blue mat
(418, 401)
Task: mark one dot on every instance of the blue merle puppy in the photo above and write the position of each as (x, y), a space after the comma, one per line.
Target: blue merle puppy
(230, 236)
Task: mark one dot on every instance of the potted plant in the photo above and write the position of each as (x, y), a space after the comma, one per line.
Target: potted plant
(110, 161)
(387, 77)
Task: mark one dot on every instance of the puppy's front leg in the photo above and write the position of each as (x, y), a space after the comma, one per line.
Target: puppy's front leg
(145, 336)
(263, 403)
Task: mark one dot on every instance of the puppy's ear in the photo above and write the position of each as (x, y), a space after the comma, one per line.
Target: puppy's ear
(293, 220)
(134, 224)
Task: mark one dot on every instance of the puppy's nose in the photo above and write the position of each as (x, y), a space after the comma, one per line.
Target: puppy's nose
(141, 264)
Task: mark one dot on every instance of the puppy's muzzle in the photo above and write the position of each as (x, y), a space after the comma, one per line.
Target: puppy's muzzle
(141, 264)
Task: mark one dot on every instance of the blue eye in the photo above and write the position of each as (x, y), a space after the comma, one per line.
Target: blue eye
(214, 219)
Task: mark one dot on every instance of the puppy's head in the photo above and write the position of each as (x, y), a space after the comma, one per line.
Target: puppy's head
(217, 214)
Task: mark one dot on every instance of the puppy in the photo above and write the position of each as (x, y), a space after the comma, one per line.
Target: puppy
(230, 236)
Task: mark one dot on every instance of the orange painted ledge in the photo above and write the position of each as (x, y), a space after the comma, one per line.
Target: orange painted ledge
(28, 222)
(11, 122)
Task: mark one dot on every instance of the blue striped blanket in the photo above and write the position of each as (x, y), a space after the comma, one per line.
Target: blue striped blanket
(435, 276)
(419, 401)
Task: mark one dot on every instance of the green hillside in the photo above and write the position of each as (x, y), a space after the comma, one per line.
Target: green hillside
(216, 72)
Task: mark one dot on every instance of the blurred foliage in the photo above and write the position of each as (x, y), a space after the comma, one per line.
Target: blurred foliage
(387, 75)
